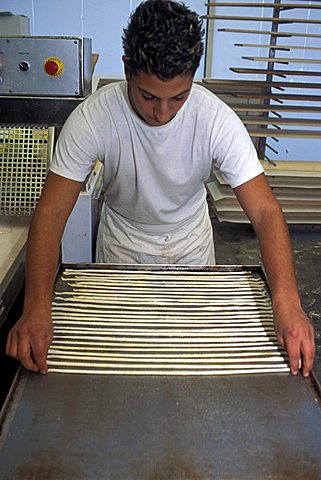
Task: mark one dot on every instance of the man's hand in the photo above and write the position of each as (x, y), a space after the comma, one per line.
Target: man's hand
(30, 339)
(295, 333)
(293, 329)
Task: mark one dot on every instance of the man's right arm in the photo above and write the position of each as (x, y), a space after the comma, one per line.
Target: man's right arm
(30, 338)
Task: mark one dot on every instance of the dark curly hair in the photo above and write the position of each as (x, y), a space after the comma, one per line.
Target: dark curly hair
(163, 38)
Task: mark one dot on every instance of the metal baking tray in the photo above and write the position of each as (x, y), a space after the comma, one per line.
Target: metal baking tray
(69, 426)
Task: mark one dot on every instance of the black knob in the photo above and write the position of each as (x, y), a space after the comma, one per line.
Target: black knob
(24, 66)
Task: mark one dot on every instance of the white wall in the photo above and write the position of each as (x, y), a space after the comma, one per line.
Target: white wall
(101, 20)
(104, 20)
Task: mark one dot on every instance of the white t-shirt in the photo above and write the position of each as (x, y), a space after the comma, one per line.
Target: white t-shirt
(154, 176)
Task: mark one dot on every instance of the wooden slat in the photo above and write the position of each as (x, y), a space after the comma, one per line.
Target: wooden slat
(282, 60)
(273, 108)
(291, 218)
(94, 60)
(260, 120)
(289, 193)
(268, 132)
(262, 19)
(276, 96)
(306, 73)
(269, 32)
(292, 166)
(263, 5)
(283, 173)
(277, 47)
(259, 83)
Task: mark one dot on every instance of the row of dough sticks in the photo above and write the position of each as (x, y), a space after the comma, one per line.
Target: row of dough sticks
(163, 322)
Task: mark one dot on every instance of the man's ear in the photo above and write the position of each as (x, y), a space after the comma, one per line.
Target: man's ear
(126, 68)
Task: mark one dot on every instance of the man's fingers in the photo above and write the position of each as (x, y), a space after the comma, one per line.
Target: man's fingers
(39, 353)
(294, 353)
(11, 347)
(308, 351)
(24, 354)
(29, 340)
(301, 350)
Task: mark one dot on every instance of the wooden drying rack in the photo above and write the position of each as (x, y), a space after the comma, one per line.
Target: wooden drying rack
(255, 108)
(264, 5)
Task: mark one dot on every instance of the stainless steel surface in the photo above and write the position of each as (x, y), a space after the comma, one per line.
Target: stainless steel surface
(13, 236)
(84, 427)
(250, 427)
(24, 60)
(25, 154)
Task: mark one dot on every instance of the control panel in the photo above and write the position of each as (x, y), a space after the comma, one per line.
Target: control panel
(45, 66)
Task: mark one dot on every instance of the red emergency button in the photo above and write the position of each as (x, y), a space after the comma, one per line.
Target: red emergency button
(51, 67)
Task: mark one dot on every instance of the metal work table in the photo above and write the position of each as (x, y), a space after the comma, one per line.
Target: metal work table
(13, 237)
(85, 427)
(155, 428)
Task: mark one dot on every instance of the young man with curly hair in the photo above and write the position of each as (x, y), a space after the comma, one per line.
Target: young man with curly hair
(158, 135)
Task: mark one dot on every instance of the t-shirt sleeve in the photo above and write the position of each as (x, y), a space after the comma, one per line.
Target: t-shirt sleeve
(235, 155)
(76, 149)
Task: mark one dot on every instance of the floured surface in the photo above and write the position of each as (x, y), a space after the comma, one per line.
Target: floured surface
(163, 322)
(95, 427)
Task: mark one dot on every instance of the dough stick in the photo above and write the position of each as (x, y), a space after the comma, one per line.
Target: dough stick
(163, 362)
(226, 347)
(136, 324)
(135, 282)
(107, 322)
(111, 300)
(172, 320)
(153, 298)
(169, 280)
(192, 332)
(179, 316)
(125, 344)
(163, 276)
(112, 291)
(158, 272)
(139, 286)
(117, 282)
(66, 320)
(222, 296)
(180, 366)
(159, 308)
(164, 309)
(196, 354)
(107, 315)
(238, 340)
(198, 288)
(246, 371)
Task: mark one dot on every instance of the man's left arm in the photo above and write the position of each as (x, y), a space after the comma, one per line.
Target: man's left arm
(293, 329)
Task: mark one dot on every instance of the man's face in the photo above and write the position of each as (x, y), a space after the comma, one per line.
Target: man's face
(156, 101)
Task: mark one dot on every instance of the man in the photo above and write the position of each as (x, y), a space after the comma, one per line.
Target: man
(159, 137)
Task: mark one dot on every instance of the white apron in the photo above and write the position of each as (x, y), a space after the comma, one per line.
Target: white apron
(189, 242)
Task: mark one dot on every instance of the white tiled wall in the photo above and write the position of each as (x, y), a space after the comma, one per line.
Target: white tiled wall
(101, 20)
